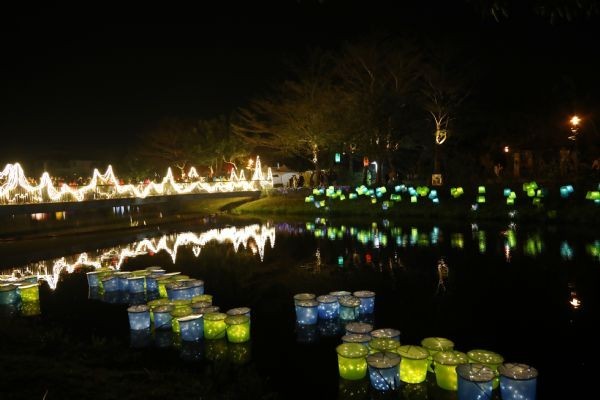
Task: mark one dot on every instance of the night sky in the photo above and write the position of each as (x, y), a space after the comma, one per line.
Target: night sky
(84, 84)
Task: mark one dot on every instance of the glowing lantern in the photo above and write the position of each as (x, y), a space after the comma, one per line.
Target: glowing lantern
(179, 311)
(29, 293)
(191, 327)
(383, 344)
(389, 333)
(203, 297)
(110, 283)
(123, 283)
(197, 287)
(199, 305)
(436, 344)
(139, 317)
(329, 308)
(367, 301)
(474, 381)
(162, 316)
(93, 278)
(445, 363)
(518, 381)
(152, 304)
(303, 297)
(137, 284)
(207, 310)
(156, 270)
(383, 371)
(238, 328)
(161, 282)
(340, 293)
(8, 294)
(307, 312)
(414, 364)
(352, 362)
(214, 325)
(363, 339)
(413, 199)
(239, 311)
(488, 358)
(358, 328)
(349, 308)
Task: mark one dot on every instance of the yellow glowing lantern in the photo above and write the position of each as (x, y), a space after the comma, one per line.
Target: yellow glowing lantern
(414, 363)
(445, 363)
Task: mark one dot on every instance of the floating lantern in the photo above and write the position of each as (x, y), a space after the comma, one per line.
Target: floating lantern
(110, 283)
(239, 311)
(475, 381)
(414, 364)
(489, 358)
(161, 282)
(152, 304)
(203, 297)
(349, 308)
(208, 310)
(93, 278)
(352, 361)
(155, 268)
(367, 301)
(137, 284)
(179, 311)
(306, 333)
(29, 292)
(383, 371)
(435, 345)
(445, 363)
(216, 350)
(214, 325)
(307, 312)
(162, 316)
(518, 381)
(123, 283)
(357, 338)
(139, 317)
(140, 338)
(191, 327)
(238, 328)
(383, 345)
(151, 283)
(389, 333)
(8, 294)
(358, 328)
(178, 291)
(196, 306)
(340, 293)
(30, 309)
(329, 308)
(240, 353)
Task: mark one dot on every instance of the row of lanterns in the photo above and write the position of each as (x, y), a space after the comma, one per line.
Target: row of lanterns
(341, 304)
(19, 296)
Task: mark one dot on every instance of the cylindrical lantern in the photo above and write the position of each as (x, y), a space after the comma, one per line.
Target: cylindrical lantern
(445, 363)
(207, 310)
(358, 328)
(435, 345)
(203, 297)
(340, 293)
(239, 311)
(123, 283)
(178, 291)
(383, 371)
(386, 333)
(518, 381)
(329, 308)
(197, 287)
(357, 338)
(8, 294)
(199, 305)
(152, 304)
(303, 296)
(29, 293)
(214, 325)
(151, 283)
(139, 317)
(238, 328)
(489, 358)
(367, 301)
(162, 316)
(475, 381)
(349, 308)
(162, 282)
(93, 278)
(110, 283)
(179, 311)
(383, 344)
(191, 327)
(307, 312)
(352, 361)
(137, 284)
(413, 367)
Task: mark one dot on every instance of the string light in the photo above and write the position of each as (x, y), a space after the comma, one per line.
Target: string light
(16, 189)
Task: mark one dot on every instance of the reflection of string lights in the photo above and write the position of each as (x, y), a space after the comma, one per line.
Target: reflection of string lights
(16, 189)
(253, 237)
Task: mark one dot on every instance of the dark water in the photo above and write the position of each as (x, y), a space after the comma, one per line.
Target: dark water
(528, 293)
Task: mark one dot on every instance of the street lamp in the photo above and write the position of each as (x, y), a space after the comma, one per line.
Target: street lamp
(575, 121)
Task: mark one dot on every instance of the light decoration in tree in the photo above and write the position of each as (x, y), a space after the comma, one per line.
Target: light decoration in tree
(440, 136)
(16, 189)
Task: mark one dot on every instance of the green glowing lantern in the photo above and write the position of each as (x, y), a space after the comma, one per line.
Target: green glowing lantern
(30, 309)
(162, 282)
(316, 192)
(413, 199)
(445, 363)
(340, 261)
(29, 293)
(389, 333)
(352, 362)
(481, 190)
(309, 199)
(373, 200)
(215, 326)
(152, 304)
(179, 311)
(395, 197)
(363, 339)
(238, 328)
(488, 358)
(510, 201)
(480, 199)
(592, 195)
(203, 297)
(437, 344)
(422, 191)
(414, 363)
(207, 310)
(352, 196)
(382, 344)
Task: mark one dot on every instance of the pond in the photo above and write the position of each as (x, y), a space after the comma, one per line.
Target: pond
(525, 292)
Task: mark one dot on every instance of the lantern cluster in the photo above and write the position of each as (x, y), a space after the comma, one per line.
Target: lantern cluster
(19, 296)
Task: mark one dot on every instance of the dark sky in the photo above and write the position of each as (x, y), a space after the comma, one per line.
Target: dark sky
(90, 82)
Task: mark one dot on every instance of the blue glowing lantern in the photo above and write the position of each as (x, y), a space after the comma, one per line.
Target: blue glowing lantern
(387, 333)
(137, 284)
(307, 312)
(303, 296)
(197, 287)
(383, 371)
(123, 282)
(506, 192)
(338, 158)
(349, 308)
(178, 291)
(8, 294)
(139, 317)
(340, 293)
(367, 301)
(110, 283)
(192, 327)
(162, 317)
(475, 381)
(93, 278)
(152, 283)
(518, 381)
(329, 308)
(358, 328)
